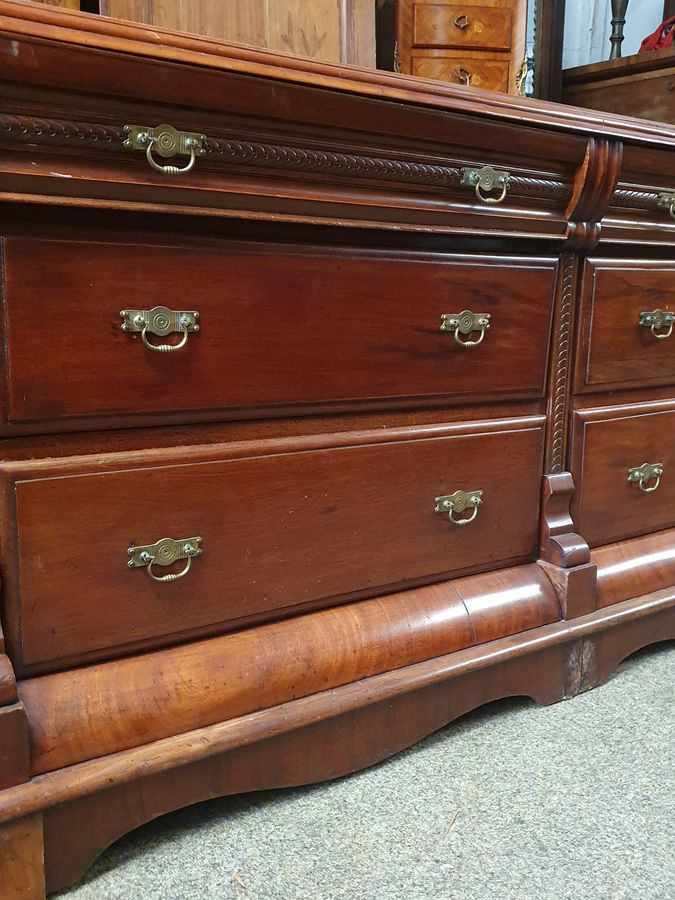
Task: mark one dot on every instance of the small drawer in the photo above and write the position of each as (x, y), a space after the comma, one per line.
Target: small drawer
(631, 339)
(283, 524)
(279, 330)
(469, 27)
(609, 446)
(480, 71)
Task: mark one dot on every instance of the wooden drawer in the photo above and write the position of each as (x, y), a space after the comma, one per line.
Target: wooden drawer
(283, 523)
(278, 329)
(479, 70)
(607, 443)
(457, 26)
(615, 350)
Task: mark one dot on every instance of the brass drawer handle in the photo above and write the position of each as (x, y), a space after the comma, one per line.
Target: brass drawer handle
(656, 320)
(485, 180)
(463, 75)
(645, 473)
(160, 321)
(457, 503)
(465, 323)
(462, 22)
(167, 142)
(163, 553)
(667, 201)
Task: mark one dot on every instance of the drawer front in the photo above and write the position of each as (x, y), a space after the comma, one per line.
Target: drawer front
(489, 73)
(607, 444)
(620, 352)
(278, 329)
(281, 529)
(474, 27)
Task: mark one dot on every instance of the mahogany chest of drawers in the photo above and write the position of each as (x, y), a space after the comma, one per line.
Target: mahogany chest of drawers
(337, 406)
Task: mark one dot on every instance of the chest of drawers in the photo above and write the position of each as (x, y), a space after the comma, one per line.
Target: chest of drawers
(353, 414)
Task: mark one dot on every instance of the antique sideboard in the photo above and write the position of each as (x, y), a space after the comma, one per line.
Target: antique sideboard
(336, 403)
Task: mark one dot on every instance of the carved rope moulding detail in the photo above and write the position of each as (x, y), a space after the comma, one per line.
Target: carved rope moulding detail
(56, 132)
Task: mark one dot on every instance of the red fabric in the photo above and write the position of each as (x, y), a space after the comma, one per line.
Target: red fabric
(662, 37)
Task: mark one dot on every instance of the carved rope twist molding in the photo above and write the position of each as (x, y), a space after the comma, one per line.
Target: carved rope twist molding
(559, 414)
(58, 132)
(307, 160)
(635, 199)
(29, 130)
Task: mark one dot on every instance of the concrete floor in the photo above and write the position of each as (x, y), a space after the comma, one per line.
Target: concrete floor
(575, 801)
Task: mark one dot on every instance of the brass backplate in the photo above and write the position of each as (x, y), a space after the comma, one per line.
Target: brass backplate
(163, 552)
(166, 140)
(159, 320)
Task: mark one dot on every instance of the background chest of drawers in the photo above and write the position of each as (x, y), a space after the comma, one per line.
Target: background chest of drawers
(480, 44)
(315, 445)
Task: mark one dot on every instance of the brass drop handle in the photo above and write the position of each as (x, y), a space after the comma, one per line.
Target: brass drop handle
(462, 22)
(484, 181)
(458, 503)
(465, 323)
(644, 474)
(656, 320)
(163, 553)
(667, 201)
(170, 170)
(160, 321)
(463, 75)
(166, 141)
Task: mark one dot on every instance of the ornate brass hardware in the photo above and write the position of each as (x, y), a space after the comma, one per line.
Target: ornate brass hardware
(166, 141)
(462, 22)
(464, 323)
(463, 75)
(645, 473)
(160, 321)
(485, 180)
(656, 320)
(667, 201)
(163, 553)
(457, 503)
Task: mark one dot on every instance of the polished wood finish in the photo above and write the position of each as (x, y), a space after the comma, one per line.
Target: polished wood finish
(607, 443)
(22, 859)
(479, 44)
(313, 326)
(305, 432)
(282, 525)
(322, 29)
(639, 85)
(615, 351)
(334, 732)
(175, 691)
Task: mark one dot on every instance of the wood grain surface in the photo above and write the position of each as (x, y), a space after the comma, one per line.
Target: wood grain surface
(279, 530)
(279, 326)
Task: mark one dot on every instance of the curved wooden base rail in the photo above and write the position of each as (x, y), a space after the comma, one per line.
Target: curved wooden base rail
(100, 709)
(87, 806)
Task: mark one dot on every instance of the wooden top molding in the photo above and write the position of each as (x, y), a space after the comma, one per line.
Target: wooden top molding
(386, 150)
(40, 23)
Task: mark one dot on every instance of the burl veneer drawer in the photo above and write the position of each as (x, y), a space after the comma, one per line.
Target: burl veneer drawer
(278, 328)
(482, 70)
(624, 468)
(475, 27)
(631, 339)
(282, 524)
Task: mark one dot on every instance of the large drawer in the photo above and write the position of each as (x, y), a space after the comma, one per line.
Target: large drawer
(615, 349)
(283, 523)
(607, 444)
(278, 329)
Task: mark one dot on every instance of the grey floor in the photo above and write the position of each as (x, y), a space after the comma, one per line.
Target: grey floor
(575, 800)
